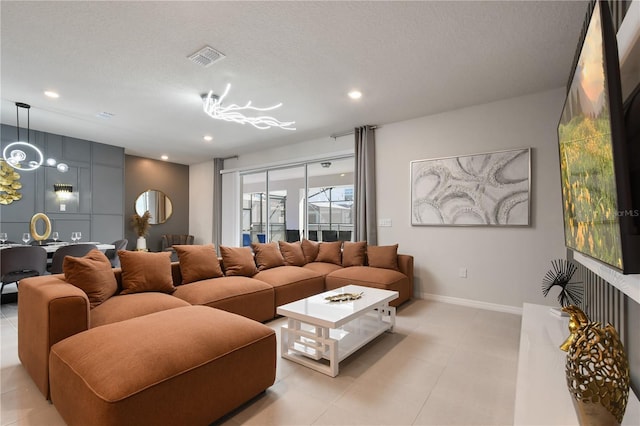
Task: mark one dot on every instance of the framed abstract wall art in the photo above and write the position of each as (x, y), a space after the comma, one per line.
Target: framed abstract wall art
(490, 189)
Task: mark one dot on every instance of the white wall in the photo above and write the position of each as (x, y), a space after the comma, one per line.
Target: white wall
(313, 149)
(505, 265)
(201, 202)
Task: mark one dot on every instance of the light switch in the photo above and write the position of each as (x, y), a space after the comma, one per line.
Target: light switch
(385, 223)
(63, 207)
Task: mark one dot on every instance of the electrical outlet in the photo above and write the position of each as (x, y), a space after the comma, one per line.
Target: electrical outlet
(462, 272)
(63, 207)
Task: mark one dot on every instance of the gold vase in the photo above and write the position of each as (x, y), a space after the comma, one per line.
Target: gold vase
(597, 372)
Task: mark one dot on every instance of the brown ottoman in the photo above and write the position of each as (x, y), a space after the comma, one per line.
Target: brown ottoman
(188, 365)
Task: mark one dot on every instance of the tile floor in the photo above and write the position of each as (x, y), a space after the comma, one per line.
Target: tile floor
(444, 365)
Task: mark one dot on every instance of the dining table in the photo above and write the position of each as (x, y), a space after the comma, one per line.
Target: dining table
(53, 247)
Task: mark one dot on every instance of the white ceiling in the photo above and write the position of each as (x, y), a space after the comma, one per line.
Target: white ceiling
(409, 59)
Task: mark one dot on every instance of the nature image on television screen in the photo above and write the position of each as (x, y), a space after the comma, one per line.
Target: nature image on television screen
(586, 157)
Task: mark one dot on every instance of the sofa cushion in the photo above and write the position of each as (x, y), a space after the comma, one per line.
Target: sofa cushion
(353, 253)
(310, 250)
(330, 252)
(238, 261)
(368, 276)
(292, 253)
(145, 271)
(292, 283)
(267, 255)
(383, 257)
(241, 295)
(124, 307)
(322, 268)
(198, 262)
(92, 274)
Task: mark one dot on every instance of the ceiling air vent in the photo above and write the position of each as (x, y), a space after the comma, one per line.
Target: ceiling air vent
(105, 115)
(206, 56)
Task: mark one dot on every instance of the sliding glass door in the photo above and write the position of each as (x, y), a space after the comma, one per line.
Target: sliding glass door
(285, 188)
(312, 200)
(254, 208)
(330, 200)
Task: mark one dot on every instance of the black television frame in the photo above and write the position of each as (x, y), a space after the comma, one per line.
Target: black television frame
(627, 207)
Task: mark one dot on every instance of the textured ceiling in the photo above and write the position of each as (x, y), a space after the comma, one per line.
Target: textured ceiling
(409, 59)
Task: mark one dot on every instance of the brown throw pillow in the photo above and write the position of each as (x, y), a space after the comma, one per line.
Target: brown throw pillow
(198, 262)
(292, 253)
(238, 261)
(383, 257)
(353, 253)
(145, 271)
(267, 255)
(91, 274)
(310, 250)
(330, 252)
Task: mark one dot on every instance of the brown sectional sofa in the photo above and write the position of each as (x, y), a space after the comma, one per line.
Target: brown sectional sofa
(52, 310)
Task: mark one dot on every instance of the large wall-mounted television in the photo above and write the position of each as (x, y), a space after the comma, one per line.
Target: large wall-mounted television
(601, 216)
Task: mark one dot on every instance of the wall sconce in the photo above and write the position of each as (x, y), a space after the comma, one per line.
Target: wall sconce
(63, 190)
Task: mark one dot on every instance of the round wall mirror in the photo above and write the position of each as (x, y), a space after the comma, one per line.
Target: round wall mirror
(158, 204)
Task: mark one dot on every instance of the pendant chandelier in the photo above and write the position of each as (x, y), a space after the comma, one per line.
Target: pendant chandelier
(23, 155)
(235, 113)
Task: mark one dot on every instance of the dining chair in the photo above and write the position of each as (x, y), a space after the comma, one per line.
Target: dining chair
(112, 254)
(169, 240)
(21, 262)
(75, 250)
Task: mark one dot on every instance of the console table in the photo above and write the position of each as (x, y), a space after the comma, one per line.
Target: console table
(542, 397)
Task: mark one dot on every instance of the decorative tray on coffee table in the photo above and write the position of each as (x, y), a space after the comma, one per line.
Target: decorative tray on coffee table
(344, 297)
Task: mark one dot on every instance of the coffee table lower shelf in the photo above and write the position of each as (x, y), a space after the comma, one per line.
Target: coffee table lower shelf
(309, 344)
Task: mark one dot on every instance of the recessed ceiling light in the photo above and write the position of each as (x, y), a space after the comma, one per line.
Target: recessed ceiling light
(208, 138)
(51, 94)
(165, 157)
(355, 94)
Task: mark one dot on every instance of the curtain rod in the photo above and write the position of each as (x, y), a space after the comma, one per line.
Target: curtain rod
(350, 132)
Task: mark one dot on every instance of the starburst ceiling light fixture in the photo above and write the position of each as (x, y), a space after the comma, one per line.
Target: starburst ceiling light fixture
(23, 155)
(235, 113)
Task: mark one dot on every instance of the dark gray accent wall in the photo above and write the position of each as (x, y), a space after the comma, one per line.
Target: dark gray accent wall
(142, 174)
(96, 171)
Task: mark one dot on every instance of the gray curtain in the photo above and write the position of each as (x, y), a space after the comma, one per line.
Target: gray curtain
(365, 185)
(218, 166)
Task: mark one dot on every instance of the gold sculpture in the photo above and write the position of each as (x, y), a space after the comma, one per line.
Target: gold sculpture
(577, 320)
(9, 184)
(47, 227)
(597, 372)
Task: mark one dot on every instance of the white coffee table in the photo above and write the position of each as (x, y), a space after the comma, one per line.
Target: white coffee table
(318, 329)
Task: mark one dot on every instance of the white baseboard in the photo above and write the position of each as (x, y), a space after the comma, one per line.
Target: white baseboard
(473, 303)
